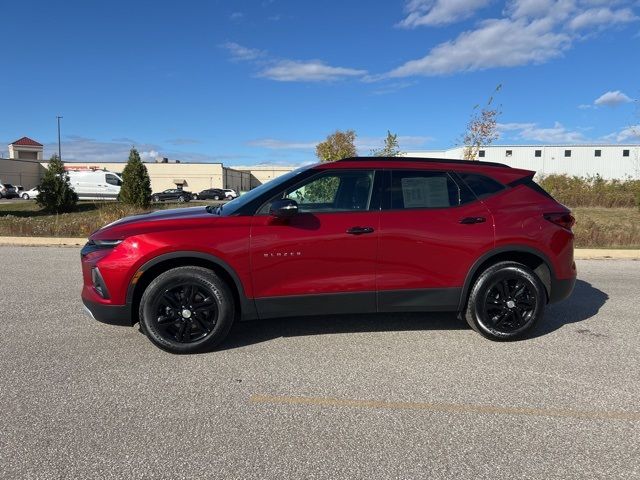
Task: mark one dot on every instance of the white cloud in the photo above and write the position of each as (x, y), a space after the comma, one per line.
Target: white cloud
(601, 17)
(309, 71)
(612, 99)
(495, 43)
(366, 144)
(236, 16)
(528, 32)
(439, 12)
(281, 144)
(239, 52)
(285, 70)
(363, 144)
(531, 131)
(628, 134)
(81, 149)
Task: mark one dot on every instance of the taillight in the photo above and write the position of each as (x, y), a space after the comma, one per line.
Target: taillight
(565, 220)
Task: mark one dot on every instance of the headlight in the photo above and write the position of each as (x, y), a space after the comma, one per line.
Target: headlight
(95, 245)
(107, 243)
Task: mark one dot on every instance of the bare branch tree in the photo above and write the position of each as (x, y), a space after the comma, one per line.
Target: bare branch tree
(482, 128)
(391, 147)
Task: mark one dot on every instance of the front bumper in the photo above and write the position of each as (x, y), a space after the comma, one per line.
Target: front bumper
(111, 314)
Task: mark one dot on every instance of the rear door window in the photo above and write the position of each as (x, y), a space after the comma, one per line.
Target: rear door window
(423, 189)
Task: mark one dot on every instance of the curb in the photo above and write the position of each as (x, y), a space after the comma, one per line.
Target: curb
(43, 241)
(605, 254)
(579, 253)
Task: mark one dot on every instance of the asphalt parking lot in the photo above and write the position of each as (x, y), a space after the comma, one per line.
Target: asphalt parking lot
(401, 396)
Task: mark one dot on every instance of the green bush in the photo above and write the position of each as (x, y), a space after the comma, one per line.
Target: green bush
(592, 191)
(55, 194)
(136, 185)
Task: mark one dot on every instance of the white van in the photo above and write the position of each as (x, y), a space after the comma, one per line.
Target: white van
(95, 184)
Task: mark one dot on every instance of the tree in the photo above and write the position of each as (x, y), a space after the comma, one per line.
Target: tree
(482, 128)
(54, 192)
(136, 185)
(337, 146)
(391, 147)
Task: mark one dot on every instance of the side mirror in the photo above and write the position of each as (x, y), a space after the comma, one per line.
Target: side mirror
(284, 208)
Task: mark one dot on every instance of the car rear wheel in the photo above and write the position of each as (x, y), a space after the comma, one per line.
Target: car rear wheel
(186, 310)
(25, 196)
(216, 197)
(506, 301)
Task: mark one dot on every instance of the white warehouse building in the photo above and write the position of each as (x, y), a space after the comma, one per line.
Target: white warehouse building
(608, 161)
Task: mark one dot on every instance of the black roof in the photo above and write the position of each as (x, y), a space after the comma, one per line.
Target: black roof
(427, 160)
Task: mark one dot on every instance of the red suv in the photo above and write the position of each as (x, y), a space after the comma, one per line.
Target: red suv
(355, 236)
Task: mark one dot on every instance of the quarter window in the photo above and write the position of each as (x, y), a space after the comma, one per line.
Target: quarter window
(423, 189)
(481, 185)
(334, 192)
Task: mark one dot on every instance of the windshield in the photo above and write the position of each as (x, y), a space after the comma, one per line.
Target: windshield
(235, 205)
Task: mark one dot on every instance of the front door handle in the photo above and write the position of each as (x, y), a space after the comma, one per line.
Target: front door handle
(359, 230)
(470, 220)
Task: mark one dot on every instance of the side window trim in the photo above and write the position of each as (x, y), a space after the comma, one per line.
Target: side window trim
(263, 209)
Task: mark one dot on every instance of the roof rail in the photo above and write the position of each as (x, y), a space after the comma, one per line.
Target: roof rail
(426, 160)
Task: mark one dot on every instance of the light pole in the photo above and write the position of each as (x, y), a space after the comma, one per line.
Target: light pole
(59, 149)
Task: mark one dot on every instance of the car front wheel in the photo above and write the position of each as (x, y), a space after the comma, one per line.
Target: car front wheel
(25, 196)
(187, 310)
(506, 301)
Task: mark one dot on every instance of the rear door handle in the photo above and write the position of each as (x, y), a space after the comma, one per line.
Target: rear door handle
(470, 220)
(359, 230)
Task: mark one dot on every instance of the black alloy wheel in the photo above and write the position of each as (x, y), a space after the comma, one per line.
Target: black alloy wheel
(186, 312)
(186, 309)
(508, 304)
(506, 301)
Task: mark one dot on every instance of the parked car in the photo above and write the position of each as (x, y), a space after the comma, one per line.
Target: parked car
(95, 184)
(29, 194)
(230, 193)
(172, 194)
(8, 191)
(211, 194)
(355, 236)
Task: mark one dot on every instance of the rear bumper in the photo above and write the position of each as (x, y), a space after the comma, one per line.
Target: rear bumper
(561, 289)
(111, 314)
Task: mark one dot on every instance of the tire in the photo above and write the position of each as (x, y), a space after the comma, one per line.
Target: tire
(25, 196)
(506, 301)
(216, 197)
(229, 197)
(155, 198)
(181, 199)
(170, 320)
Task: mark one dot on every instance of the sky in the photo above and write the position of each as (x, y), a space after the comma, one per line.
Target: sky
(248, 82)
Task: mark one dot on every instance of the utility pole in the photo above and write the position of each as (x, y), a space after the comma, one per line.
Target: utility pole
(59, 148)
